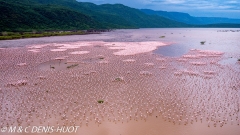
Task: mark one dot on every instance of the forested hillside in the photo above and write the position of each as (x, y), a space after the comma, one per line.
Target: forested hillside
(22, 15)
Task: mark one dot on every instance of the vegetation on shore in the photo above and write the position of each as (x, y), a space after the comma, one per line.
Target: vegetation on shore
(19, 35)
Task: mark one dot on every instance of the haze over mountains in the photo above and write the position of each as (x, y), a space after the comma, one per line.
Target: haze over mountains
(186, 18)
(22, 15)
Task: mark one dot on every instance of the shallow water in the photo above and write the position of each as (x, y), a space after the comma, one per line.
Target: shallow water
(186, 38)
(173, 50)
(57, 65)
(230, 61)
(178, 89)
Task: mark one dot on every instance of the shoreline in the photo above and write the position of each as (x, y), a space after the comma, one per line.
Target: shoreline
(38, 34)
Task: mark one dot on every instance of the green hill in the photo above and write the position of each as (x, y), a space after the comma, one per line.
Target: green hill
(29, 15)
(18, 17)
(22, 15)
(116, 15)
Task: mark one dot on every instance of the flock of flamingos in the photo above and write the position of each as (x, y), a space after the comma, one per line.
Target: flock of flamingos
(82, 83)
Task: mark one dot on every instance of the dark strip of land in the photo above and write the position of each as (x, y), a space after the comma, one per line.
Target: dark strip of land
(35, 34)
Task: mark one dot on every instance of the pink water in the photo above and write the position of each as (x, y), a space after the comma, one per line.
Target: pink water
(196, 92)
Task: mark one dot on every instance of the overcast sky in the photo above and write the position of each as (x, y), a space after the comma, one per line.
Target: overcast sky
(203, 8)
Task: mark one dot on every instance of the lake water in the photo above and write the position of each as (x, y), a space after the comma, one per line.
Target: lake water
(182, 39)
(169, 91)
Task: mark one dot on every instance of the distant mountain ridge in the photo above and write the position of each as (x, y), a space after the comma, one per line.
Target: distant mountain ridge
(186, 18)
(29, 15)
(21, 15)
